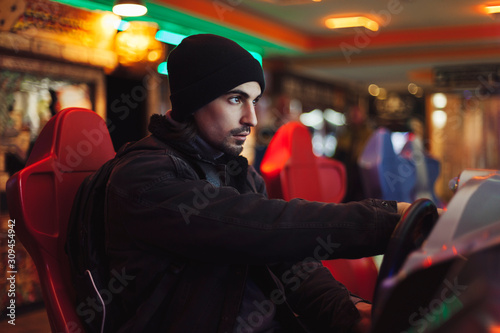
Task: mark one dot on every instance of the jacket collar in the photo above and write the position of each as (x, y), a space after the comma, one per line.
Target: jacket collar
(193, 148)
(196, 148)
(236, 166)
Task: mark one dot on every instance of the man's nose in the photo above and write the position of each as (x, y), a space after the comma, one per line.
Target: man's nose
(249, 116)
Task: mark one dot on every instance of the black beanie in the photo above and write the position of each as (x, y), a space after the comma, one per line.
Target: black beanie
(204, 67)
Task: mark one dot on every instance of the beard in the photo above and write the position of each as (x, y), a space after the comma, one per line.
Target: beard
(229, 146)
(231, 149)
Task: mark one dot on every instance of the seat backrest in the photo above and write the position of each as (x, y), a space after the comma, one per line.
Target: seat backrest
(72, 145)
(333, 179)
(299, 176)
(291, 170)
(427, 169)
(290, 143)
(384, 174)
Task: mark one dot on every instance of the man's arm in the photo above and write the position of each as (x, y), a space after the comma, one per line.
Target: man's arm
(190, 217)
(364, 323)
(321, 303)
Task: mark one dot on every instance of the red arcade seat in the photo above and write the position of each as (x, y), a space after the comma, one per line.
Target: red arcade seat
(291, 170)
(73, 144)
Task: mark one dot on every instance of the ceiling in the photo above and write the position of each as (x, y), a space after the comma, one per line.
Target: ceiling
(415, 36)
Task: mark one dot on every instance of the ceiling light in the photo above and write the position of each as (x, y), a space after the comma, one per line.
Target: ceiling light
(439, 118)
(312, 119)
(350, 22)
(382, 94)
(412, 88)
(129, 8)
(493, 9)
(334, 117)
(374, 90)
(439, 100)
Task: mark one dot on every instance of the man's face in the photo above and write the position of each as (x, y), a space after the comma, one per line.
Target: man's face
(225, 122)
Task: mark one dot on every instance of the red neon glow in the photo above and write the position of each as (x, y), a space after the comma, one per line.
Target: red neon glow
(428, 262)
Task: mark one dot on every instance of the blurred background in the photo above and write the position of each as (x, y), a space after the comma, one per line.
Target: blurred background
(420, 72)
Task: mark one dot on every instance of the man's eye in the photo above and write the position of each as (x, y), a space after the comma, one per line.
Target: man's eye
(234, 99)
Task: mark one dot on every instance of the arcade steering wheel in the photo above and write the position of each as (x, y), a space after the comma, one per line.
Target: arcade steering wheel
(411, 231)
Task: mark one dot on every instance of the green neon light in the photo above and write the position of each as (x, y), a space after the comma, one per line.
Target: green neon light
(175, 39)
(87, 4)
(169, 37)
(123, 25)
(256, 56)
(175, 25)
(176, 21)
(162, 68)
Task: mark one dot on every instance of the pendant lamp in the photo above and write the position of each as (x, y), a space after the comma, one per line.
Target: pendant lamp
(129, 8)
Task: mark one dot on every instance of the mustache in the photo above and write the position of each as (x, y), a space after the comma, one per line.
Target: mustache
(244, 129)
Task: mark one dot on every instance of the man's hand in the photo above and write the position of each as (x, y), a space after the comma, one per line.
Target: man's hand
(402, 207)
(365, 323)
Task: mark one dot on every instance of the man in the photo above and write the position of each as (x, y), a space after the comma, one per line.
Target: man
(189, 222)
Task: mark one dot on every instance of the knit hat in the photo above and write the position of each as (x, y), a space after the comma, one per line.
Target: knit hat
(204, 67)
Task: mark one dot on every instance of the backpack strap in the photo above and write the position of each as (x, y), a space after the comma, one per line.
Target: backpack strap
(85, 247)
(148, 308)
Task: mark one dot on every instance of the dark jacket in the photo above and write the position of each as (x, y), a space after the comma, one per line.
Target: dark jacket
(205, 226)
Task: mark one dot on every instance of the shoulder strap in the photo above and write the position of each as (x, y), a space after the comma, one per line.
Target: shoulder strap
(151, 305)
(85, 244)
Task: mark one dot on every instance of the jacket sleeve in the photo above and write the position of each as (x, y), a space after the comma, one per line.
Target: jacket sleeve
(321, 303)
(166, 209)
